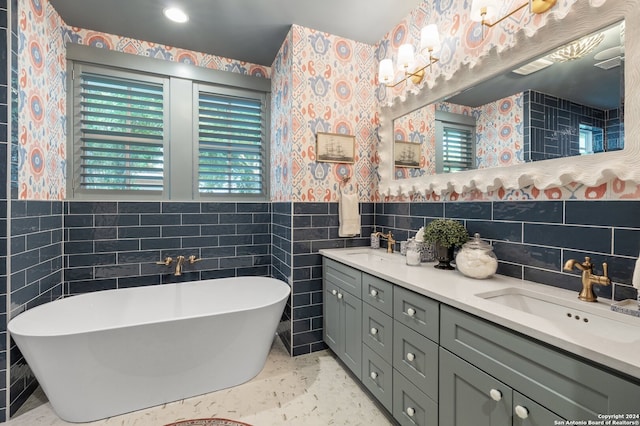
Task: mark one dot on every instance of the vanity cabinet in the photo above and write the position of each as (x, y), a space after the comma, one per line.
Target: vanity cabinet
(468, 396)
(431, 364)
(479, 356)
(342, 313)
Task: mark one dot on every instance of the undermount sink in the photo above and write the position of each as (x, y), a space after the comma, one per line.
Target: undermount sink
(569, 316)
(374, 255)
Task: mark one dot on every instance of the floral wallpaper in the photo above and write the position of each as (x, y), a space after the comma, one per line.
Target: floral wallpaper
(333, 91)
(321, 83)
(41, 102)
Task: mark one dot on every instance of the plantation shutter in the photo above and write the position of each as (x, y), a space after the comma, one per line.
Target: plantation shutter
(458, 148)
(231, 146)
(121, 132)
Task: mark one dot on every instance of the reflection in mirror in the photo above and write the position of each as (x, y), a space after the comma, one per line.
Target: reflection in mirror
(568, 102)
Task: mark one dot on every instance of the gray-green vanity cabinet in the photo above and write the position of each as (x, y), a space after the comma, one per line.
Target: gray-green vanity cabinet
(342, 313)
(469, 396)
(559, 382)
(377, 338)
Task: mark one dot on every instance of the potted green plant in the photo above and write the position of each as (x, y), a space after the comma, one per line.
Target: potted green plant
(445, 235)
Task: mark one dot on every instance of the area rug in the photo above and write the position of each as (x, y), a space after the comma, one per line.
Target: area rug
(208, 422)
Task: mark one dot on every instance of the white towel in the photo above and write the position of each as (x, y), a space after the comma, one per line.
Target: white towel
(349, 215)
(635, 281)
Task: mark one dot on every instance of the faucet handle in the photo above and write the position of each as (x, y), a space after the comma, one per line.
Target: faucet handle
(605, 270)
(193, 259)
(166, 262)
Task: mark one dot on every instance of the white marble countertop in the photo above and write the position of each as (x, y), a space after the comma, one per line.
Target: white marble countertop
(614, 347)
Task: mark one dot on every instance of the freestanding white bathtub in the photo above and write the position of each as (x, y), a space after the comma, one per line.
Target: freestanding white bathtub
(110, 352)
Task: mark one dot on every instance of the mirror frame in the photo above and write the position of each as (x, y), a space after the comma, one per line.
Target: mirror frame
(584, 18)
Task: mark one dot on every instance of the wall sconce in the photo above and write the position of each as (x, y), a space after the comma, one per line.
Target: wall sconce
(485, 11)
(429, 41)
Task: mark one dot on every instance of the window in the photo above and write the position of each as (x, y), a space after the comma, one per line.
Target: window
(230, 148)
(121, 133)
(586, 138)
(455, 142)
(141, 130)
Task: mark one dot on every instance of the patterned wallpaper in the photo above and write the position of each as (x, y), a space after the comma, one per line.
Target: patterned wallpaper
(321, 82)
(332, 90)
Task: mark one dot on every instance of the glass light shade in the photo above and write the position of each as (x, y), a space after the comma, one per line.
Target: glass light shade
(577, 49)
(429, 38)
(176, 15)
(490, 8)
(385, 71)
(405, 56)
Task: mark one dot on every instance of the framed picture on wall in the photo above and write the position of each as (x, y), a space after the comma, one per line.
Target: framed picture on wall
(406, 154)
(335, 148)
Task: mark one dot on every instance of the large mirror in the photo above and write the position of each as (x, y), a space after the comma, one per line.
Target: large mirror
(530, 108)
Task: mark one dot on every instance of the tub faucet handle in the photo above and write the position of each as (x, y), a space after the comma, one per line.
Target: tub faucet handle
(193, 259)
(167, 261)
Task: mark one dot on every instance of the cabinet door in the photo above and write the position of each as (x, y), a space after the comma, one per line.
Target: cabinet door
(331, 316)
(351, 311)
(528, 413)
(469, 396)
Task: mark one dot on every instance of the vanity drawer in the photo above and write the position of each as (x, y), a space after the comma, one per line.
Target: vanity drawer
(416, 312)
(416, 357)
(410, 405)
(377, 376)
(377, 331)
(343, 276)
(563, 384)
(377, 293)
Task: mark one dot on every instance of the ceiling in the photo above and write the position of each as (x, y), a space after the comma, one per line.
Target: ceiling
(245, 30)
(577, 80)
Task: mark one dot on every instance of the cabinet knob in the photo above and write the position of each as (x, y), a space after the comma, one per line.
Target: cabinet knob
(374, 331)
(522, 412)
(374, 375)
(373, 292)
(495, 394)
(334, 292)
(410, 356)
(339, 295)
(410, 411)
(411, 312)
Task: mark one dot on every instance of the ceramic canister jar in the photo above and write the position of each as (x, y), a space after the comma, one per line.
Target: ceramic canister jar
(476, 259)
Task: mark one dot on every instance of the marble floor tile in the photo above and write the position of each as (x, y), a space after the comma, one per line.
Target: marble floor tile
(307, 390)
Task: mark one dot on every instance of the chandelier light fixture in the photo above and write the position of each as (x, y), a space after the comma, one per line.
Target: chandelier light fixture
(429, 41)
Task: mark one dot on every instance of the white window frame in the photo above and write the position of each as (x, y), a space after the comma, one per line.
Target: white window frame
(181, 137)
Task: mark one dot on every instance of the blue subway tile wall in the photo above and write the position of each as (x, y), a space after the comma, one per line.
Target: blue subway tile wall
(281, 243)
(4, 148)
(533, 239)
(315, 226)
(36, 275)
(112, 245)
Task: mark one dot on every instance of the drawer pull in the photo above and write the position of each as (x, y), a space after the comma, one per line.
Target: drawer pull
(410, 412)
(522, 412)
(334, 292)
(374, 375)
(411, 312)
(495, 394)
(374, 331)
(339, 295)
(373, 292)
(410, 356)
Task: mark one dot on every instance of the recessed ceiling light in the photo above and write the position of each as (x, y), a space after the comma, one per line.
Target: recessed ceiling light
(176, 15)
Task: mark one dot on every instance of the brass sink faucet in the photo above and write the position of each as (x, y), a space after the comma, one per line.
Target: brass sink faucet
(389, 238)
(588, 278)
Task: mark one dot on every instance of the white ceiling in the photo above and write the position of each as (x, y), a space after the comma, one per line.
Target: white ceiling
(246, 30)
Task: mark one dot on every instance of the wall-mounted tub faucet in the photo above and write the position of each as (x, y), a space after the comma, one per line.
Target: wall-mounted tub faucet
(588, 277)
(179, 262)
